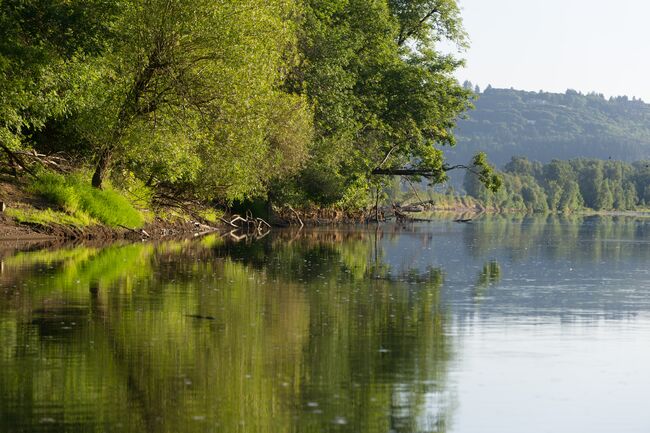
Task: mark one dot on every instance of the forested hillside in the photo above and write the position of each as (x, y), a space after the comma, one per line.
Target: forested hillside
(545, 126)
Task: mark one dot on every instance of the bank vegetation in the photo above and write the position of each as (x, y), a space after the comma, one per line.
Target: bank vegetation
(290, 103)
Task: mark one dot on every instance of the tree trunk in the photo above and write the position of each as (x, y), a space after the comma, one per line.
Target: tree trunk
(103, 165)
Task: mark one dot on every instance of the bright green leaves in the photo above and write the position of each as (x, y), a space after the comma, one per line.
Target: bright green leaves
(485, 172)
(195, 106)
(234, 100)
(425, 22)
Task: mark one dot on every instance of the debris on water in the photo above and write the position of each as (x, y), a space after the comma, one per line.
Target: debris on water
(382, 350)
(198, 417)
(339, 420)
(47, 420)
(312, 404)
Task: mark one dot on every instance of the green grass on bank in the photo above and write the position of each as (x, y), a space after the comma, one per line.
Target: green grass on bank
(82, 204)
(49, 216)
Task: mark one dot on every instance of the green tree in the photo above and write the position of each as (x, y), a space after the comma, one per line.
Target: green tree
(591, 181)
(382, 106)
(43, 47)
(193, 101)
(570, 198)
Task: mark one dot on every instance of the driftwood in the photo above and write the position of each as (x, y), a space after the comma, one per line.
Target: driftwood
(424, 172)
(297, 216)
(15, 159)
(413, 208)
(225, 221)
(256, 226)
(24, 159)
(401, 216)
(140, 232)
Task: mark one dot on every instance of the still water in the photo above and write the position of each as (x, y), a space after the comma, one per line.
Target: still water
(507, 324)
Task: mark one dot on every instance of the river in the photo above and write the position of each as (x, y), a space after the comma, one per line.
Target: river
(504, 324)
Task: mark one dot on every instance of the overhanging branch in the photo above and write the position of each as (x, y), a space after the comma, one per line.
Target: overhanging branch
(424, 172)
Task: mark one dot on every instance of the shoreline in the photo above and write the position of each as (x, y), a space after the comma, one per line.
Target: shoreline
(13, 231)
(26, 234)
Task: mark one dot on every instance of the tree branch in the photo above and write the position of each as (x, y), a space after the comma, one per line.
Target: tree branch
(387, 156)
(403, 37)
(16, 159)
(424, 172)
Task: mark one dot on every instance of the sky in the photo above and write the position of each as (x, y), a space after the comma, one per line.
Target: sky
(554, 45)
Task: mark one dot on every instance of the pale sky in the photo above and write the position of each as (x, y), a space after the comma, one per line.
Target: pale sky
(552, 45)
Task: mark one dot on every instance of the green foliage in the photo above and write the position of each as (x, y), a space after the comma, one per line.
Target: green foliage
(377, 99)
(81, 201)
(443, 21)
(486, 174)
(42, 45)
(565, 185)
(300, 100)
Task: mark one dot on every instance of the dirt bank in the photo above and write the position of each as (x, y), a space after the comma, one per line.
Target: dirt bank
(156, 230)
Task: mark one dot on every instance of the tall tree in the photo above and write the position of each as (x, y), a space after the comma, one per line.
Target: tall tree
(385, 98)
(194, 96)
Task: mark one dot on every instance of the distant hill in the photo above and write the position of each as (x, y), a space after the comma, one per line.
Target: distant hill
(545, 126)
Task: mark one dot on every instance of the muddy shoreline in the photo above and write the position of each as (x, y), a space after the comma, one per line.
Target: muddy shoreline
(12, 232)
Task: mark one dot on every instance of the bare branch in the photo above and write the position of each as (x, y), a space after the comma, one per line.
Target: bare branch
(387, 156)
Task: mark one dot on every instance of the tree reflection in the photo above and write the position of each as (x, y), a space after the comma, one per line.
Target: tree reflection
(489, 275)
(583, 238)
(314, 332)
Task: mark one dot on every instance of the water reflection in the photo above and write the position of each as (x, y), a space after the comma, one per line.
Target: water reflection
(489, 275)
(308, 335)
(354, 330)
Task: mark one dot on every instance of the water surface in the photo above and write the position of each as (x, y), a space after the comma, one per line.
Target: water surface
(507, 324)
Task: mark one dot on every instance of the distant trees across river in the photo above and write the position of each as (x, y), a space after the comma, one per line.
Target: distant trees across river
(567, 185)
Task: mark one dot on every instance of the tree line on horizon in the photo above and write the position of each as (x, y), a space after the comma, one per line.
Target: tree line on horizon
(565, 186)
(296, 101)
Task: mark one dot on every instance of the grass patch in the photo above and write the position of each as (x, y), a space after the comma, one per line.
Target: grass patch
(49, 216)
(82, 202)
